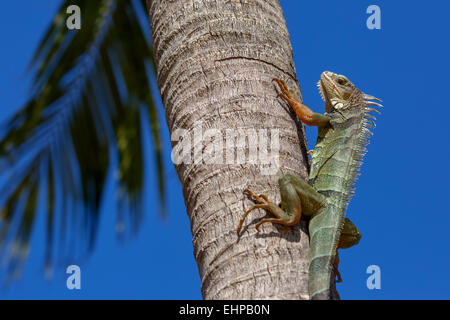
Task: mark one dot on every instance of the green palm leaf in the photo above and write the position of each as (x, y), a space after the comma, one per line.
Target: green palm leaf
(90, 94)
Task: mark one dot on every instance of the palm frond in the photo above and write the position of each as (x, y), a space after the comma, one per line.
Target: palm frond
(90, 89)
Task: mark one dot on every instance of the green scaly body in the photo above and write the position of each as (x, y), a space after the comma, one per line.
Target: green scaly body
(335, 162)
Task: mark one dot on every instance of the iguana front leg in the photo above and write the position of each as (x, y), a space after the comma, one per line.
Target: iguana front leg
(305, 114)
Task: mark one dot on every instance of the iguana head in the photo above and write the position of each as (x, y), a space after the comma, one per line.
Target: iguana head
(344, 103)
(337, 91)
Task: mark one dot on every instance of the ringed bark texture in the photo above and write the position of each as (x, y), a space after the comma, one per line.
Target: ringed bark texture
(215, 62)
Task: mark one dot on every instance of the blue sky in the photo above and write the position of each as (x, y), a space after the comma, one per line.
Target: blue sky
(400, 204)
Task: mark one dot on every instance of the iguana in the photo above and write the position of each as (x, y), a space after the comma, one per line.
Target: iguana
(343, 132)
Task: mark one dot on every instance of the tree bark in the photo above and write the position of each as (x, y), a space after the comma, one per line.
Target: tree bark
(215, 62)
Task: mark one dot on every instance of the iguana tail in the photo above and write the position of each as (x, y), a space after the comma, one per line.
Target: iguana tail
(324, 235)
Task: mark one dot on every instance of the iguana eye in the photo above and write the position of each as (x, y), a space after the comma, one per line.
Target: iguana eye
(341, 81)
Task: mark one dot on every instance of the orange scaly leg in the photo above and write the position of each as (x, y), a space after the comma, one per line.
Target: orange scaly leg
(305, 114)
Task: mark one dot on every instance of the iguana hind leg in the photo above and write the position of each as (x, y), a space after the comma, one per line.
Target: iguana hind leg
(297, 197)
(336, 268)
(350, 236)
(263, 203)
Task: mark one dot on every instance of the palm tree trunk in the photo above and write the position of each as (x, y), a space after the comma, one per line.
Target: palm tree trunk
(215, 61)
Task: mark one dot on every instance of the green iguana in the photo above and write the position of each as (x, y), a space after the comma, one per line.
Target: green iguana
(343, 134)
